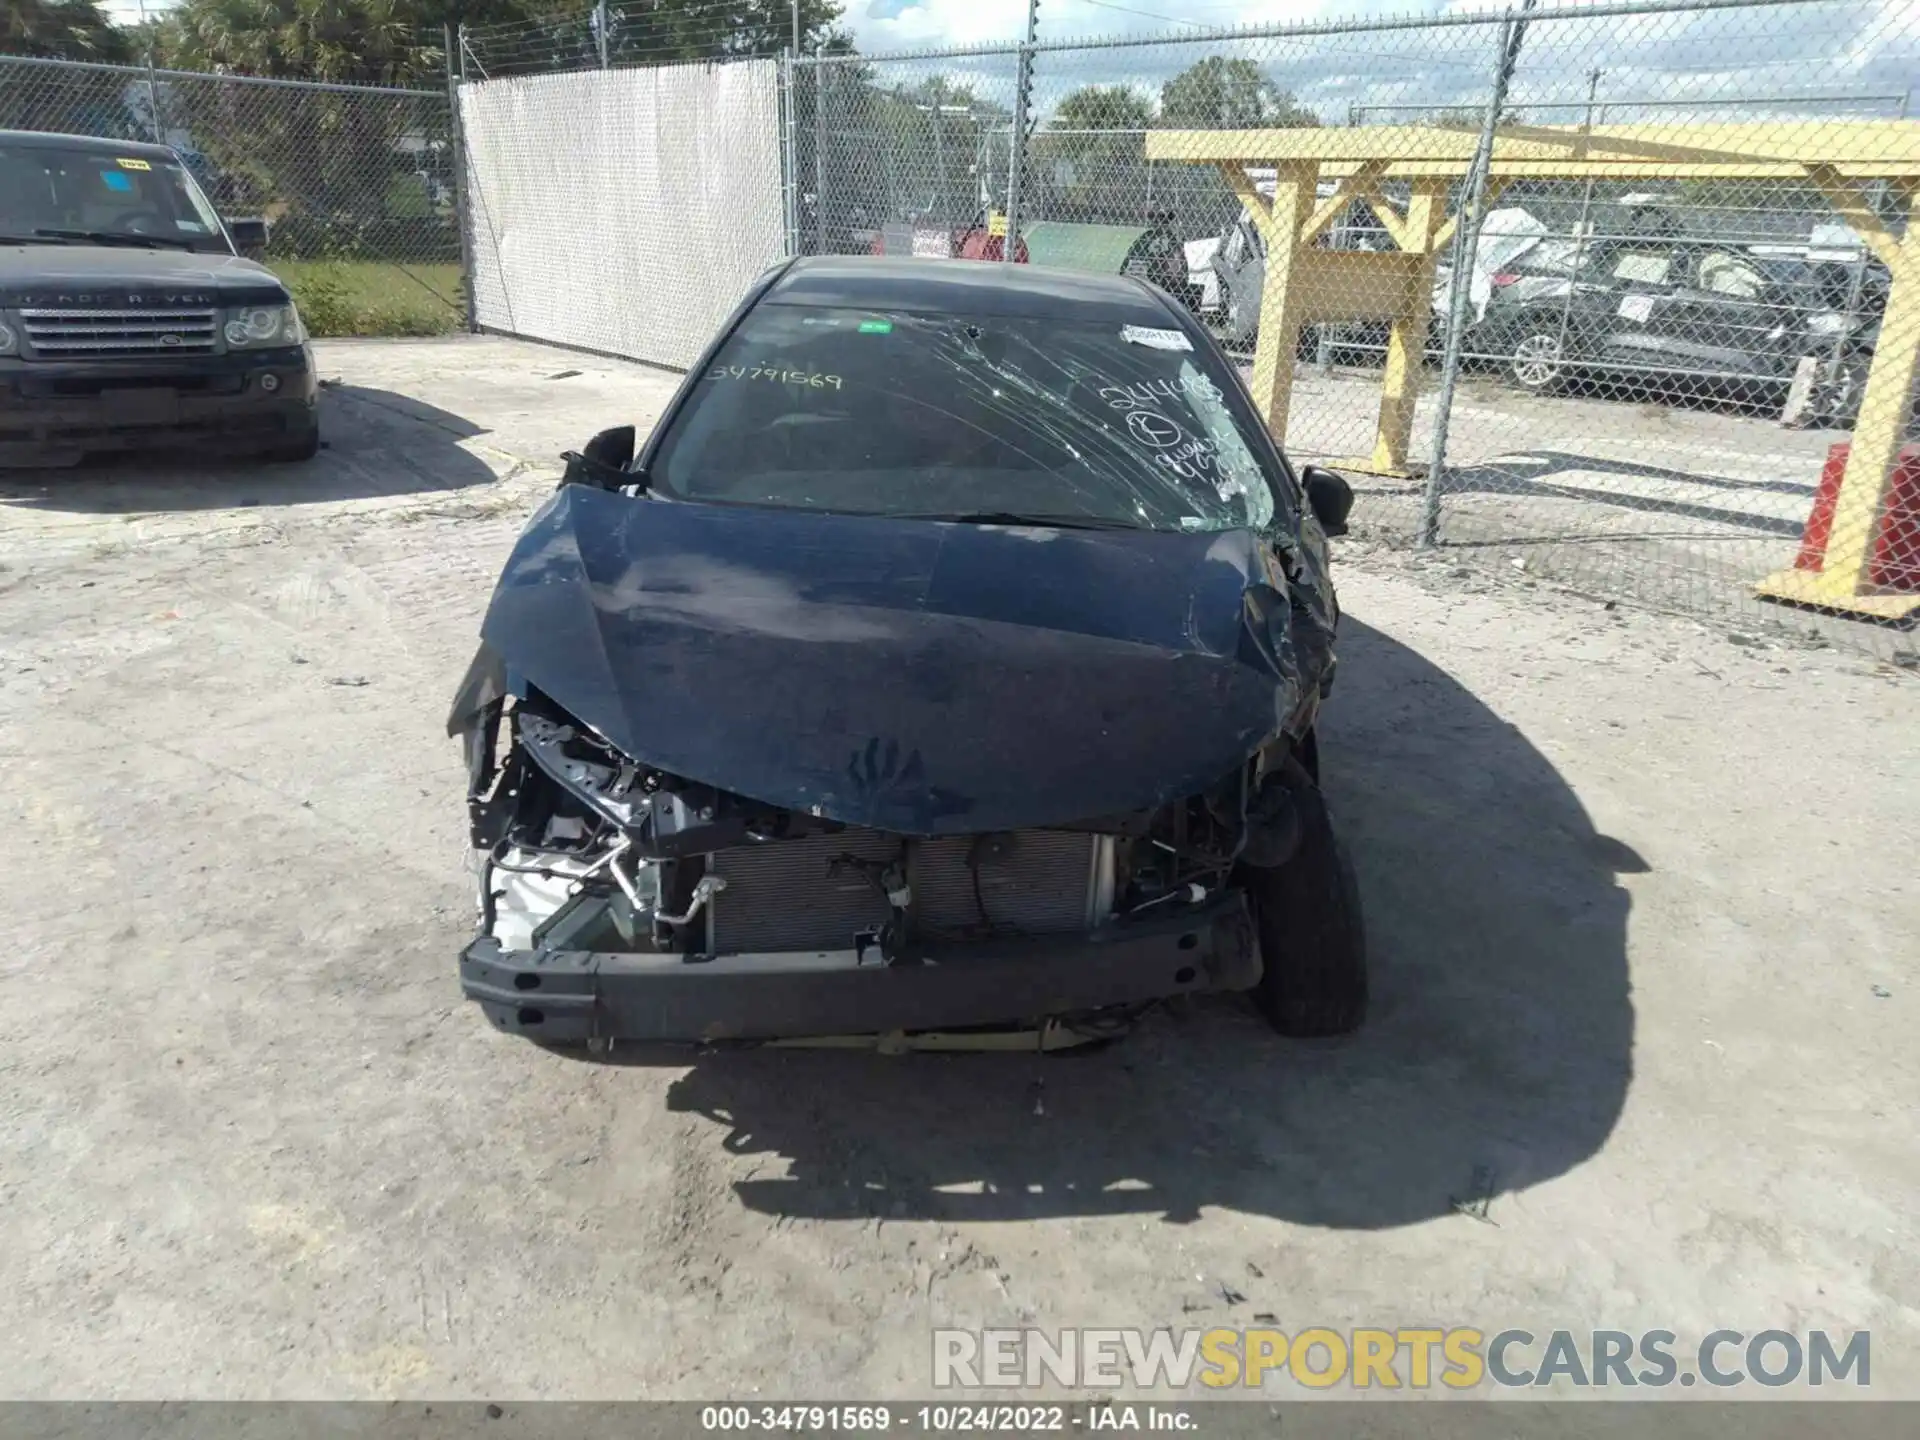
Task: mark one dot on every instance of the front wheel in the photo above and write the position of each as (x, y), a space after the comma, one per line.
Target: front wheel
(1313, 943)
(1539, 360)
(292, 452)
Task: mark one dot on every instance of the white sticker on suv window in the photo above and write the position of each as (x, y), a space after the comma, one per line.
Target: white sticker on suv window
(1643, 269)
(1637, 308)
(1155, 339)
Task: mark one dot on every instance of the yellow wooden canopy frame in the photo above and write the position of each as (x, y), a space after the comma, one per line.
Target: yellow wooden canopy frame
(1309, 286)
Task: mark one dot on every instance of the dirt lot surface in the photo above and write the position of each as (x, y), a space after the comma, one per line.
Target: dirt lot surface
(1642, 901)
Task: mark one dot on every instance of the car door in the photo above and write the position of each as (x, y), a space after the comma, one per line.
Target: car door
(1630, 321)
(1730, 318)
(1240, 263)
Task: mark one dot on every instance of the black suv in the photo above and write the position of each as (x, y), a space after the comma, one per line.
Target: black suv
(1655, 310)
(128, 319)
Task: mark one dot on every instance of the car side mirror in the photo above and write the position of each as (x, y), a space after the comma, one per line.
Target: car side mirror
(603, 463)
(1329, 496)
(249, 233)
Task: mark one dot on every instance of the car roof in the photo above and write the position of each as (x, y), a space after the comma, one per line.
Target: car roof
(965, 287)
(96, 144)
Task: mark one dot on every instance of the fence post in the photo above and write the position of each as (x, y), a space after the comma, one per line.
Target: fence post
(600, 30)
(154, 122)
(461, 201)
(1580, 225)
(1017, 155)
(820, 149)
(1466, 244)
(789, 152)
(1017, 151)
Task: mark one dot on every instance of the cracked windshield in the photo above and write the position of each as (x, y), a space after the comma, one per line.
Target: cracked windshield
(996, 418)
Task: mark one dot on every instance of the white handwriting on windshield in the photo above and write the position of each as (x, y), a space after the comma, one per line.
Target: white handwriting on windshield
(780, 377)
(1199, 460)
(1192, 460)
(1154, 429)
(1151, 392)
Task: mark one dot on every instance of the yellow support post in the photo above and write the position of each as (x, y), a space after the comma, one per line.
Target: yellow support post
(1279, 299)
(1391, 220)
(1843, 581)
(1850, 203)
(1363, 183)
(1407, 341)
(1834, 155)
(1262, 213)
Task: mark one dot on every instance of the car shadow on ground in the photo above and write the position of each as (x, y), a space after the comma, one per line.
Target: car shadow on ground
(1498, 1054)
(375, 443)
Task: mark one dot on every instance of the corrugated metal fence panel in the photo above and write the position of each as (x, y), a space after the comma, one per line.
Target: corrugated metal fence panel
(623, 210)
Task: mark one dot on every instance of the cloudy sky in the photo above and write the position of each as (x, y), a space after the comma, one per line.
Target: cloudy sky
(891, 24)
(1859, 57)
(1863, 56)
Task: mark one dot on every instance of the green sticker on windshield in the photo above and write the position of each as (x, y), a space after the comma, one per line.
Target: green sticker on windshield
(876, 327)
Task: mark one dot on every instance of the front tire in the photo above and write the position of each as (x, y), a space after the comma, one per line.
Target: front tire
(292, 452)
(1539, 360)
(1313, 942)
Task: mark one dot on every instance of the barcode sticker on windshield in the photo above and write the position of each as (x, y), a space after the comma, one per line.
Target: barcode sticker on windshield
(126, 164)
(1155, 339)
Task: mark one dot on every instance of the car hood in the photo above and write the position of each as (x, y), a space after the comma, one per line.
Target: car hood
(912, 676)
(102, 275)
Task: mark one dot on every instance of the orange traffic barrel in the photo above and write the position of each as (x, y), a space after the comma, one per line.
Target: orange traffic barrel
(1895, 563)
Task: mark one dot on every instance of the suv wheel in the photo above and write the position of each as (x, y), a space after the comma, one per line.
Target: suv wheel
(1538, 361)
(303, 447)
(1313, 944)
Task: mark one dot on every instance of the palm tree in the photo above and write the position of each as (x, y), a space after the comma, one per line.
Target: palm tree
(62, 29)
(380, 42)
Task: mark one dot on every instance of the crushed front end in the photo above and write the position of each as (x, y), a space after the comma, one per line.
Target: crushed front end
(739, 773)
(620, 901)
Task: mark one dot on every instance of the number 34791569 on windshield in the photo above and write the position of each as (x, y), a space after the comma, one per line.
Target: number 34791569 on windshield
(783, 377)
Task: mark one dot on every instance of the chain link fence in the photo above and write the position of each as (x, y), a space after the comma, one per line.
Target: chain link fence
(631, 33)
(1641, 376)
(357, 183)
(1655, 367)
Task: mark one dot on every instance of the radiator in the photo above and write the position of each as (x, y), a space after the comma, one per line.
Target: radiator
(789, 894)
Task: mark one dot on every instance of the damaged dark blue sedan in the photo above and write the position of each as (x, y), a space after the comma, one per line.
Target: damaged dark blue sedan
(945, 663)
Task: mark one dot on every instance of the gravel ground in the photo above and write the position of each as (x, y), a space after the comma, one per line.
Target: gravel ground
(1641, 898)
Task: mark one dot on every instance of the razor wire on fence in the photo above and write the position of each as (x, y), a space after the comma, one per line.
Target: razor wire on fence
(638, 33)
(356, 183)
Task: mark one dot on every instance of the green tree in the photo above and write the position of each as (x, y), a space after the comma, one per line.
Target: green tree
(60, 29)
(1219, 93)
(1089, 162)
(935, 135)
(399, 42)
(699, 30)
(1103, 107)
(382, 42)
